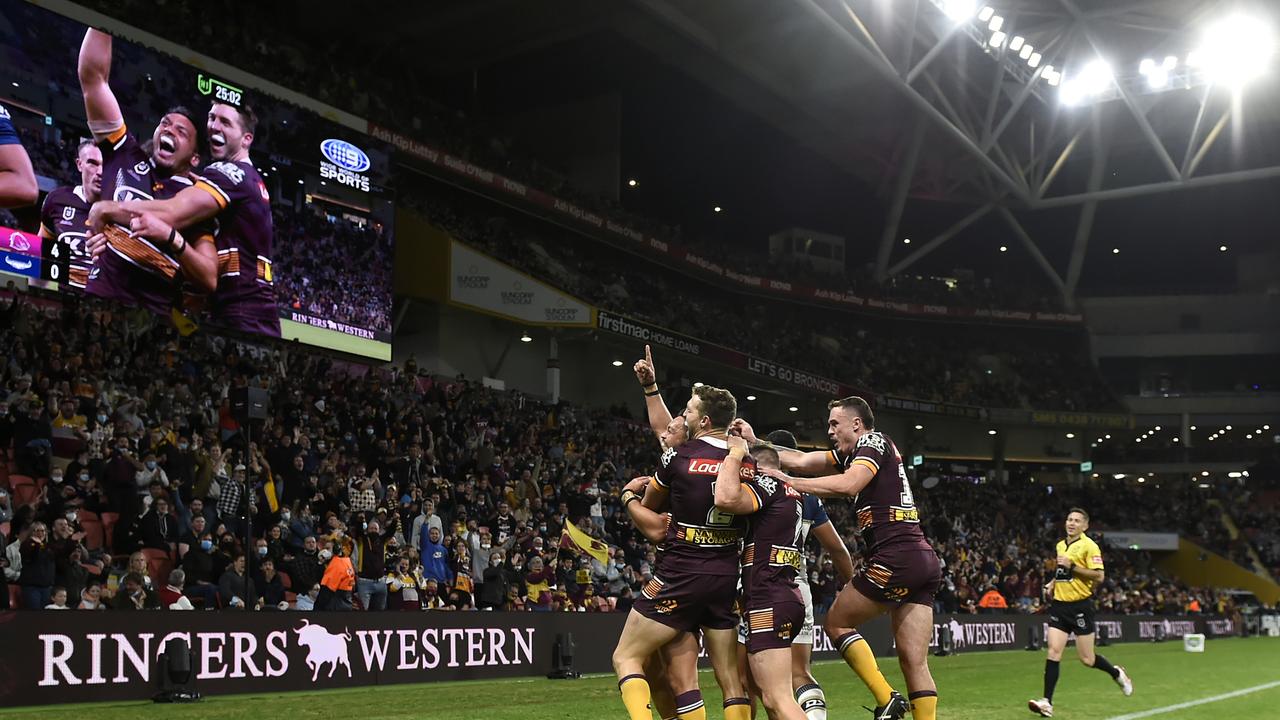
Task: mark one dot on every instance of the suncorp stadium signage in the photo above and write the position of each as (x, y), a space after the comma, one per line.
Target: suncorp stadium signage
(479, 282)
(345, 164)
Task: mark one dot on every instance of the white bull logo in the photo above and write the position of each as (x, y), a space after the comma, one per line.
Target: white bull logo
(324, 647)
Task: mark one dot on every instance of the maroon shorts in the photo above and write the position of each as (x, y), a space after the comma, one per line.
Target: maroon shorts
(774, 627)
(907, 575)
(687, 602)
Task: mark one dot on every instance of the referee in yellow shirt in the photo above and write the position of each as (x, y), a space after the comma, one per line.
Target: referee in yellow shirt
(1079, 570)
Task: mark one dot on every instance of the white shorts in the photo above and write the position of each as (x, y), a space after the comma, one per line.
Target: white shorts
(805, 636)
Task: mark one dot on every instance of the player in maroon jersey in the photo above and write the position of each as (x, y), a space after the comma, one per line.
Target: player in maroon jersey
(695, 584)
(901, 572)
(18, 185)
(64, 217)
(144, 264)
(771, 557)
(230, 190)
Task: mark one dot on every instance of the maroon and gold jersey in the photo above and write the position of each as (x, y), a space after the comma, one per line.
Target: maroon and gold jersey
(701, 540)
(773, 555)
(245, 299)
(133, 270)
(886, 508)
(65, 217)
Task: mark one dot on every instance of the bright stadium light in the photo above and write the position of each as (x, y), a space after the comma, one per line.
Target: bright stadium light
(1119, 476)
(1204, 473)
(919, 427)
(632, 182)
(1175, 439)
(525, 338)
(617, 363)
(906, 241)
(697, 384)
(1156, 428)
(716, 208)
(1071, 436)
(751, 397)
(1227, 427)
(1115, 251)
(1142, 480)
(1025, 52)
(960, 10)
(1235, 51)
(1107, 437)
(991, 432)
(1004, 248)
(997, 39)
(995, 24)
(985, 13)
(1051, 76)
(793, 408)
(1017, 43)
(1034, 60)
(1193, 427)
(1222, 248)
(1092, 80)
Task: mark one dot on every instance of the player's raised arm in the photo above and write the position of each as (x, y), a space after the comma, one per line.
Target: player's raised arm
(100, 105)
(731, 495)
(647, 375)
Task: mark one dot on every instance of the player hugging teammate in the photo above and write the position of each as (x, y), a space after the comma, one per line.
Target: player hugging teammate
(728, 497)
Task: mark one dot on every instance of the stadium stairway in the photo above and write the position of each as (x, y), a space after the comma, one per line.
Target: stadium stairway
(1233, 531)
(1198, 566)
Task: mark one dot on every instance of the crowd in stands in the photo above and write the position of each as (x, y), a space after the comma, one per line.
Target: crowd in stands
(323, 264)
(131, 479)
(988, 367)
(303, 63)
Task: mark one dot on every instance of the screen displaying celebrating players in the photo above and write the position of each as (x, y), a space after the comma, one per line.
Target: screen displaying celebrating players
(192, 196)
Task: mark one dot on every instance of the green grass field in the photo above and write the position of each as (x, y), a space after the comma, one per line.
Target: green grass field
(978, 685)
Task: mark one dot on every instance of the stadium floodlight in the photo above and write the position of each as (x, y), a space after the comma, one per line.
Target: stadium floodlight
(991, 432)
(1107, 437)
(1119, 476)
(1222, 248)
(617, 363)
(1004, 248)
(632, 182)
(1156, 428)
(697, 384)
(1157, 77)
(1266, 427)
(919, 427)
(751, 397)
(1034, 60)
(1051, 76)
(1017, 43)
(985, 13)
(525, 338)
(1092, 80)
(1142, 480)
(716, 208)
(1115, 251)
(1071, 436)
(793, 408)
(1175, 439)
(1204, 473)
(997, 39)
(1235, 50)
(1249, 436)
(1193, 427)
(1227, 427)
(996, 23)
(960, 10)
(1025, 52)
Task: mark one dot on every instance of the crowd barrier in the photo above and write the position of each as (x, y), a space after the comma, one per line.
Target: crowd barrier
(62, 657)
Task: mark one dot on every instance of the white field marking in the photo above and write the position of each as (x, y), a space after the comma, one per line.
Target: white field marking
(1193, 703)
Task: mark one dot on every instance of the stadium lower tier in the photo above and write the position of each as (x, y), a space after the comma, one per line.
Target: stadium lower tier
(70, 657)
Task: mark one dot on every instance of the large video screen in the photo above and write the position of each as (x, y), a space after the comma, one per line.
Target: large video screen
(167, 187)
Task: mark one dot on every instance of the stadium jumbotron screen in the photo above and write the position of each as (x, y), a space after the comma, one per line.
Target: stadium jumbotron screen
(167, 187)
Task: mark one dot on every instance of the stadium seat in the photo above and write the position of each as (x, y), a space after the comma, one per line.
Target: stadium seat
(94, 531)
(15, 597)
(4, 530)
(284, 580)
(25, 494)
(109, 520)
(16, 480)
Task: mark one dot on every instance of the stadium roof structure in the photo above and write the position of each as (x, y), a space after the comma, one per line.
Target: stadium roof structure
(1025, 115)
(1011, 107)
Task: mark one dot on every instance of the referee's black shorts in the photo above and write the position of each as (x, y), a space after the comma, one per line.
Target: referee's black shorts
(1072, 617)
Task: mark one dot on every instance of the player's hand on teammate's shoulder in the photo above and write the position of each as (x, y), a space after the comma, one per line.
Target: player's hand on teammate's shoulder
(776, 474)
(743, 429)
(736, 442)
(638, 485)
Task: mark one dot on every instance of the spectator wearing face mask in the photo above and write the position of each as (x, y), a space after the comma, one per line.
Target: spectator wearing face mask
(198, 564)
(150, 472)
(495, 584)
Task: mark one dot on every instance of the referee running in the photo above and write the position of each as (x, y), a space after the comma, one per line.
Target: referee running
(1079, 570)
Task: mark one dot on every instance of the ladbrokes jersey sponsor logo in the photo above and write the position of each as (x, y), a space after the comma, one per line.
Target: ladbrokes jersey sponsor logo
(309, 649)
(703, 466)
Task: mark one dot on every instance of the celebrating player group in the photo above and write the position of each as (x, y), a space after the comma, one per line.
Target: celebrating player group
(730, 514)
(170, 223)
